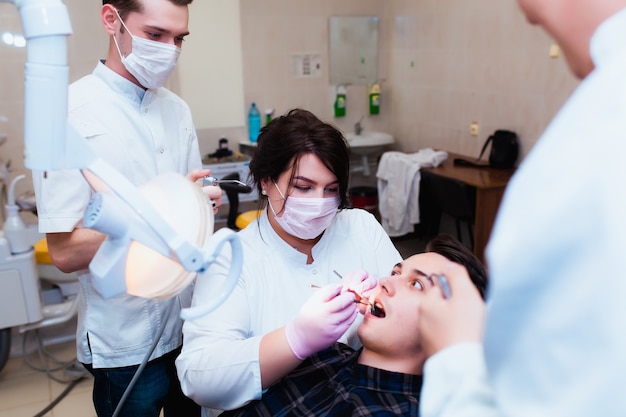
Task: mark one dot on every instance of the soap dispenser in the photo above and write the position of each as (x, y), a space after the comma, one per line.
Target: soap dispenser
(374, 98)
(340, 101)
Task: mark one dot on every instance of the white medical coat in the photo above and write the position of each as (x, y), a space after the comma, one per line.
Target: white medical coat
(141, 134)
(219, 363)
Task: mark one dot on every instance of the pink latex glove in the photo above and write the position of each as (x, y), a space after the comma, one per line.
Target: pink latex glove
(360, 282)
(321, 321)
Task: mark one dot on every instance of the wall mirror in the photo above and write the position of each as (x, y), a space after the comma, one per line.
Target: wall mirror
(353, 50)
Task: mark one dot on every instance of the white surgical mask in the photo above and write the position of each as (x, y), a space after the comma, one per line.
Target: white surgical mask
(150, 62)
(306, 218)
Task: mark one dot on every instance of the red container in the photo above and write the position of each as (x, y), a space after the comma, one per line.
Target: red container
(365, 198)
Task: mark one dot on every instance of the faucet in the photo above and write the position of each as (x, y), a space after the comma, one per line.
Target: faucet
(357, 127)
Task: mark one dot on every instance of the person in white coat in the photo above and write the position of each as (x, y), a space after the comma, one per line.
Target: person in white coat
(554, 341)
(140, 128)
(304, 239)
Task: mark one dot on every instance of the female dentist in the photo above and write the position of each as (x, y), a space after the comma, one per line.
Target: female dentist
(304, 240)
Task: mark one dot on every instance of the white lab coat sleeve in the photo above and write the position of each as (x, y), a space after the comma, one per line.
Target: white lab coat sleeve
(456, 385)
(219, 363)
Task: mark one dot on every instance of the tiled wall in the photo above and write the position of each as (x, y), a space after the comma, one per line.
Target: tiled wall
(273, 30)
(445, 64)
(456, 61)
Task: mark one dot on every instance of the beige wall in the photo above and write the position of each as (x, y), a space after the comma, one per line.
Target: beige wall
(445, 63)
(473, 60)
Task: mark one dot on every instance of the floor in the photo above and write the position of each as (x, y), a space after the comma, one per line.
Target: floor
(26, 392)
(408, 245)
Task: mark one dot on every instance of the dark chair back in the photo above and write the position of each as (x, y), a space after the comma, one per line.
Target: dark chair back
(232, 193)
(451, 197)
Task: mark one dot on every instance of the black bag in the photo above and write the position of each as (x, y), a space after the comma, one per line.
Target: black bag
(504, 151)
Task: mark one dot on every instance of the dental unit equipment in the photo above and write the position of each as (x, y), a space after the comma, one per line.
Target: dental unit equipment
(214, 181)
(141, 237)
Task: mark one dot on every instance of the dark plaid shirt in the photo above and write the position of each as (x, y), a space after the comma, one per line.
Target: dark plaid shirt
(332, 383)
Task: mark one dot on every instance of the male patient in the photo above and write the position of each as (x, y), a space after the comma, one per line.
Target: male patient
(385, 376)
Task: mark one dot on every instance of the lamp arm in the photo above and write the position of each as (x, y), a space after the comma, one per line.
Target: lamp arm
(236, 264)
(186, 253)
(46, 25)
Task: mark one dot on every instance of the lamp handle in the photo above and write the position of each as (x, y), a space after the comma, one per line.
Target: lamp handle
(224, 235)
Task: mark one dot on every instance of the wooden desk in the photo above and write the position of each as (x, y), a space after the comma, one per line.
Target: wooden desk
(489, 184)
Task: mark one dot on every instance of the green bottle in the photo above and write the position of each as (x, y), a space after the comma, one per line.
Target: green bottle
(340, 102)
(375, 98)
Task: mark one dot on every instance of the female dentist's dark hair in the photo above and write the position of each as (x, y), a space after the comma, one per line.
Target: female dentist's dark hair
(450, 248)
(285, 139)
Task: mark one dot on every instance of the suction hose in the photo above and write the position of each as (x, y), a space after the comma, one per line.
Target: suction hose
(11, 195)
(21, 237)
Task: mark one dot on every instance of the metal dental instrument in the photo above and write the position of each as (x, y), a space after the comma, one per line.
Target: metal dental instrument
(214, 181)
(358, 298)
(441, 281)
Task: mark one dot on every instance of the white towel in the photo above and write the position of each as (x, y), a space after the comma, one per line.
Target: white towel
(398, 188)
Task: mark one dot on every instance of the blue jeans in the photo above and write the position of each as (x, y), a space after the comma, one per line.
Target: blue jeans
(157, 388)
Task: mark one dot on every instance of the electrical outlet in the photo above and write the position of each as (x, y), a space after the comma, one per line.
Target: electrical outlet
(474, 128)
(555, 51)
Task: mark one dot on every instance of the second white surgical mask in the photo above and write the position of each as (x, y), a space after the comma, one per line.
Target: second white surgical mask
(150, 62)
(306, 218)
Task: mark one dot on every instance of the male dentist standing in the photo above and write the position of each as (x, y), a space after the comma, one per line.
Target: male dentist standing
(141, 129)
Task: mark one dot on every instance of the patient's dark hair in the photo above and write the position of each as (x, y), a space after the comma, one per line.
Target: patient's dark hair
(284, 140)
(450, 248)
(126, 6)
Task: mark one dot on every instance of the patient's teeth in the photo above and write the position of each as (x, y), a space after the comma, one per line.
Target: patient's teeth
(377, 310)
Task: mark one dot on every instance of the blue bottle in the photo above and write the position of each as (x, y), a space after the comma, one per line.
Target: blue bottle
(254, 123)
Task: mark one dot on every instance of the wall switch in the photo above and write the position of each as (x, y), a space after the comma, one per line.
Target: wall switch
(474, 128)
(306, 65)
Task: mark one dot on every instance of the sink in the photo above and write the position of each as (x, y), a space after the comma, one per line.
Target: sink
(368, 143)
(369, 139)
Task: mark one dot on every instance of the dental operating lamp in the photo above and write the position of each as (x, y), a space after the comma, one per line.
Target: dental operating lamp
(138, 235)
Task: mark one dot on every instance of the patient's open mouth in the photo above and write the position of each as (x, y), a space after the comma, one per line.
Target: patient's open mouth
(377, 310)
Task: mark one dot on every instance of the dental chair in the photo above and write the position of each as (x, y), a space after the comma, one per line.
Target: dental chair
(60, 300)
(24, 265)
